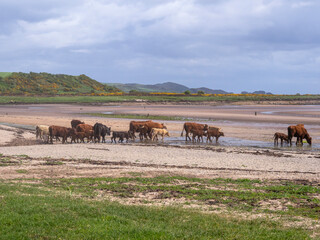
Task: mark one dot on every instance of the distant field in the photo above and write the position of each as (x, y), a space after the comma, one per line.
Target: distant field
(228, 98)
(4, 74)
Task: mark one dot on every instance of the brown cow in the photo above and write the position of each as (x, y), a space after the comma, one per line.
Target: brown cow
(75, 123)
(57, 131)
(135, 126)
(151, 124)
(300, 132)
(199, 133)
(188, 126)
(73, 135)
(87, 130)
(80, 136)
(281, 136)
(143, 131)
(84, 128)
(214, 132)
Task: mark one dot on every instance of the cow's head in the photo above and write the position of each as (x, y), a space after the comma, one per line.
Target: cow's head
(205, 127)
(108, 130)
(309, 139)
(221, 134)
(163, 126)
(130, 134)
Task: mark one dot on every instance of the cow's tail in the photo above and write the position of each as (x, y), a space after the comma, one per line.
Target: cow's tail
(50, 134)
(37, 132)
(183, 130)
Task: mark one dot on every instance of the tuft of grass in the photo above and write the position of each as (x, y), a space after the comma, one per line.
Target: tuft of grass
(53, 162)
(22, 156)
(22, 171)
(139, 116)
(8, 161)
(240, 194)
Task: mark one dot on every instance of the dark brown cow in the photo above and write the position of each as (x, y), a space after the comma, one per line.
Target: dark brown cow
(214, 132)
(281, 136)
(57, 131)
(300, 133)
(199, 133)
(143, 132)
(75, 123)
(188, 126)
(121, 135)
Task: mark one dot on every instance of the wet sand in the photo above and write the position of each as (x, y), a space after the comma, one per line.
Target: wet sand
(239, 123)
(236, 121)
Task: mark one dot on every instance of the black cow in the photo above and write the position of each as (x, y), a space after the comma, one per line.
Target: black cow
(121, 135)
(101, 130)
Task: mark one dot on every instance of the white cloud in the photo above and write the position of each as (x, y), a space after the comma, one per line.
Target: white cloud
(302, 4)
(171, 38)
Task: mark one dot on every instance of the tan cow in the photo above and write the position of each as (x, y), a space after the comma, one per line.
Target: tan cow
(42, 132)
(159, 131)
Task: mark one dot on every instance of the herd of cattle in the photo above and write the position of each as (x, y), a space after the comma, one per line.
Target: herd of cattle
(80, 131)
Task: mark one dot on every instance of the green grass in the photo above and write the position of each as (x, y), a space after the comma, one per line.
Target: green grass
(243, 194)
(5, 74)
(52, 162)
(8, 161)
(128, 98)
(31, 212)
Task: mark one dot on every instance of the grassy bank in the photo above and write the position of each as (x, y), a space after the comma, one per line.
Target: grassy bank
(137, 116)
(80, 209)
(154, 98)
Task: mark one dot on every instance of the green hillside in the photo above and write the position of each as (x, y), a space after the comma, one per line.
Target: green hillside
(5, 74)
(163, 87)
(49, 84)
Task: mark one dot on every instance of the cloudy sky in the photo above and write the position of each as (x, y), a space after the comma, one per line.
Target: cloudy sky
(271, 45)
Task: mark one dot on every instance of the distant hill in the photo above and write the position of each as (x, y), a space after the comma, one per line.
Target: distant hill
(163, 87)
(207, 90)
(46, 83)
(257, 92)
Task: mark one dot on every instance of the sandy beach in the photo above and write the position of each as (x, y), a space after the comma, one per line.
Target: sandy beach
(234, 157)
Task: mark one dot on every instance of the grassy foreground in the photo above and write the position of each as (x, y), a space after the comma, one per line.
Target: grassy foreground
(70, 209)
